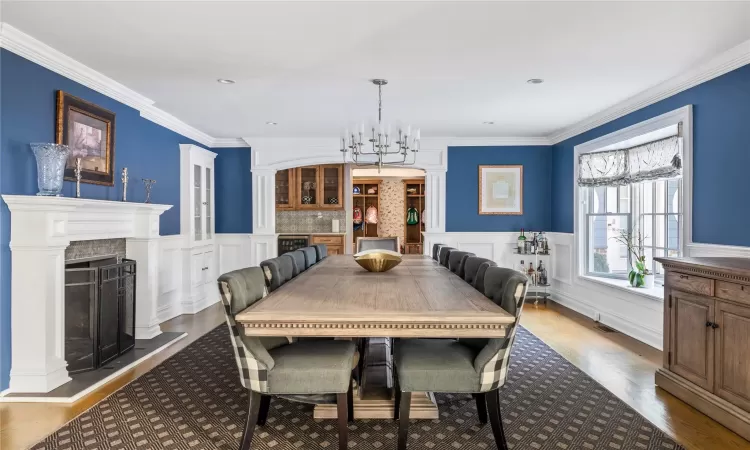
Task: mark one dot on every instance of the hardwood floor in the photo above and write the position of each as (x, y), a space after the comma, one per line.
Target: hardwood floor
(622, 365)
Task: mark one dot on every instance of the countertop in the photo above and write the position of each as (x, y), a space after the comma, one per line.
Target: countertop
(329, 233)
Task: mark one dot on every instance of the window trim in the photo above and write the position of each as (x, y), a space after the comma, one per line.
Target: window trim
(682, 115)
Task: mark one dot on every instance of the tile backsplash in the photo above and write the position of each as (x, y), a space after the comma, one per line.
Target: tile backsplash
(309, 221)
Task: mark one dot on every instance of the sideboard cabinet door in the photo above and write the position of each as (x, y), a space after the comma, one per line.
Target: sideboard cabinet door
(692, 339)
(732, 363)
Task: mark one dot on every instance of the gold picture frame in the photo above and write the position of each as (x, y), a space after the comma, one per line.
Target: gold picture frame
(501, 190)
(89, 131)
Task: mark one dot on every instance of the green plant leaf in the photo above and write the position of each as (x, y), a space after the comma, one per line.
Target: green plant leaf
(631, 277)
(639, 280)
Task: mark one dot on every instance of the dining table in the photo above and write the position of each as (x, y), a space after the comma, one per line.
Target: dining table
(337, 298)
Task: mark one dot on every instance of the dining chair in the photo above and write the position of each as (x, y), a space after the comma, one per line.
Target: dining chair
(311, 256)
(473, 366)
(378, 243)
(443, 256)
(299, 261)
(287, 262)
(436, 251)
(457, 260)
(321, 251)
(479, 282)
(273, 273)
(471, 269)
(271, 366)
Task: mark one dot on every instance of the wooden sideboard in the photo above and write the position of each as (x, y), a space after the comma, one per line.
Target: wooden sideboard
(707, 337)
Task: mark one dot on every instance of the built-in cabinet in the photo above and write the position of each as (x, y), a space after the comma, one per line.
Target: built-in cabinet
(334, 243)
(366, 195)
(310, 187)
(706, 337)
(413, 210)
(197, 220)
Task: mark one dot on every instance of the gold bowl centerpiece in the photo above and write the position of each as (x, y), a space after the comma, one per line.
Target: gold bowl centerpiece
(377, 260)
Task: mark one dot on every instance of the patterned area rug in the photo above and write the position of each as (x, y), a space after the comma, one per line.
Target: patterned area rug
(194, 400)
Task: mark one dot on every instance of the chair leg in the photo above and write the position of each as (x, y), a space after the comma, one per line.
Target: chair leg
(343, 419)
(481, 407)
(350, 403)
(265, 403)
(493, 406)
(396, 395)
(403, 421)
(254, 399)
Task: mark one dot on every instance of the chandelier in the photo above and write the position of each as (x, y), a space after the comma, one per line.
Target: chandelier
(382, 144)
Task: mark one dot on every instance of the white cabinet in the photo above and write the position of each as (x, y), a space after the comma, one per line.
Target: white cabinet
(197, 193)
(197, 225)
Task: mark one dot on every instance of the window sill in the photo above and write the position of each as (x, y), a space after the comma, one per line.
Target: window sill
(655, 293)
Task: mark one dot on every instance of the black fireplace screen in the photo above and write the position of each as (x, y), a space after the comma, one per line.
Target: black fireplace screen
(99, 312)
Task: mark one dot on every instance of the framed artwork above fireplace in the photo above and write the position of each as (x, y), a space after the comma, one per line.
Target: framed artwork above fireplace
(89, 131)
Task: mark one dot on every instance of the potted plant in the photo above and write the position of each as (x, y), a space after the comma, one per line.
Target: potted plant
(640, 276)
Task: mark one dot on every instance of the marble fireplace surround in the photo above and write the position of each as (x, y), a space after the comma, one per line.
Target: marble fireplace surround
(41, 230)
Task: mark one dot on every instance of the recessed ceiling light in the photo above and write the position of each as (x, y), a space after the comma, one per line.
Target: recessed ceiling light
(535, 81)
(271, 123)
(489, 123)
(225, 81)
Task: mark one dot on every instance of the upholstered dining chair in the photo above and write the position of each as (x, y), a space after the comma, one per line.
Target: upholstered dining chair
(277, 271)
(311, 256)
(299, 261)
(378, 243)
(471, 269)
(289, 262)
(472, 366)
(321, 251)
(436, 251)
(445, 251)
(479, 282)
(457, 260)
(271, 366)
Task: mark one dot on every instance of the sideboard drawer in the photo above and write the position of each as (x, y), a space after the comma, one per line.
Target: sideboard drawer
(323, 239)
(691, 283)
(733, 291)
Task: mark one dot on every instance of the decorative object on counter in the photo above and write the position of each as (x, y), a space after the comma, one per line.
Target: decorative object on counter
(521, 243)
(148, 183)
(501, 190)
(308, 186)
(356, 190)
(78, 177)
(378, 260)
(412, 216)
(50, 165)
(372, 190)
(89, 131)
(640, 276)
(124, 179)
(371, 215)
(381, 141)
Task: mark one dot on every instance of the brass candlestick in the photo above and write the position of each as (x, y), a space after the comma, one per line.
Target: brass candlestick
(124, 184)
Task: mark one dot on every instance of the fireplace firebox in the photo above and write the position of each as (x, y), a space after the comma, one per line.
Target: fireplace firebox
(99, 311)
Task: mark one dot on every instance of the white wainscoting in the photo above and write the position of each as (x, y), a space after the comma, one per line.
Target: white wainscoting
(495, 246)
(171, 261)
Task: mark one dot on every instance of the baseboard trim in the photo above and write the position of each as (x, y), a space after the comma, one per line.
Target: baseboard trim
(621, 324)
(727, 414)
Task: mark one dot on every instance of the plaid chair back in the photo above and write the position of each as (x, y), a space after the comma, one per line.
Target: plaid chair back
(240, 289)
(507, 288)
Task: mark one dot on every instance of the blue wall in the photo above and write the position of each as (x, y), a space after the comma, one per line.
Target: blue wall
(234, 190)
(27, 114)
(721, 157)
(462, 181)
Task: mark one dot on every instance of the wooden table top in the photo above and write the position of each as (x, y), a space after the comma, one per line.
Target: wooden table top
(336, 297)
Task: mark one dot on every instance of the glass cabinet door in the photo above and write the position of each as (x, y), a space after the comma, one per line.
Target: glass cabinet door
(198, 202)
(284, 189)
(331, 189)
(307, 183)
(207, 203)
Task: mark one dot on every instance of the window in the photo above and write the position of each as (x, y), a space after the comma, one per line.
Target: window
(651, 207)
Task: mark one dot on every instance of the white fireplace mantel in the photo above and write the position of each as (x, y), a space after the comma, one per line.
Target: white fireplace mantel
(40, 231)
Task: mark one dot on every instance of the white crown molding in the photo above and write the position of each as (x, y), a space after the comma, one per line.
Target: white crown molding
(229, 142)
(487, 141)
(728, 61)
(20, 43)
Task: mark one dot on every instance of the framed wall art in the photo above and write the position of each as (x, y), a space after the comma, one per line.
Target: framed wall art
(89, 131)
(501, 190)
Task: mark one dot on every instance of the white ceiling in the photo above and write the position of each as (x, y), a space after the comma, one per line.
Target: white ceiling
(451, 65)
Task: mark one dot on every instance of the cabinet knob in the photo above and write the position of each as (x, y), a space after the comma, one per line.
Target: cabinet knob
(708, 324)
(205, 203)
(683, 277)
(714, 325)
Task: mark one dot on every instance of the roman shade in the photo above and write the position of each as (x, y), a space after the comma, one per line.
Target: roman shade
(655, 160)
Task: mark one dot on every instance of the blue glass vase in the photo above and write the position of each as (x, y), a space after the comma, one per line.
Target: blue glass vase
(50, 165)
